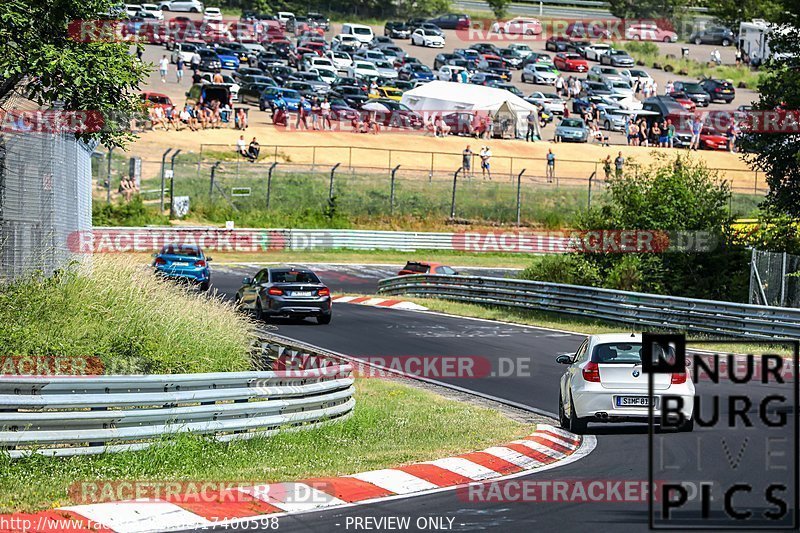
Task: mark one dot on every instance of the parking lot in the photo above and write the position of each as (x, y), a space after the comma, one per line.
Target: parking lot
(464, 39)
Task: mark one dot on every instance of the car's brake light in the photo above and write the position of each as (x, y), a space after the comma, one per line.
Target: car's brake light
(200, 263)
(591, 372)
(160, 261)
(274, 291)
(718, 89)
(325, 291)
(678, 378)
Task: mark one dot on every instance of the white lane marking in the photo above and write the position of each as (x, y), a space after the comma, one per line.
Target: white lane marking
(556, 440)
(396, 481)
(513, 457)
(139, 516)
(465, 467)
(541, 448)
(292, 497)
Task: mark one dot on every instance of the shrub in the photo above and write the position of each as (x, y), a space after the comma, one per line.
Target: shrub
(570, 269)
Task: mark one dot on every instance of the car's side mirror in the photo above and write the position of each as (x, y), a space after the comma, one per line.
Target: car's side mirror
(247, 281)
(564, 359)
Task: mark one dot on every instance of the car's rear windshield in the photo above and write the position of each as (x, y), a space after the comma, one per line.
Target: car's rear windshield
(180, 249)
(362, 31)
(693, 87)
(417, 267)
(572, 123)
(618, 352)
(293, 276)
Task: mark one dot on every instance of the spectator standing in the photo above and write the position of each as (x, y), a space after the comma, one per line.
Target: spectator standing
(670, 133)
(696, 126)
(179, 68)
(619, 165)
(325, 112)
(163, 67)
(466, 160)
(218, 77)
(633, 134)
(486, 156)
(670, 87)
(315, 112)
(607, 167)
(560, 85)
(732, 133)
(738, 56)
(195, 62)
(530, 135)
(139, 52)
(302, 114)
(551, 166)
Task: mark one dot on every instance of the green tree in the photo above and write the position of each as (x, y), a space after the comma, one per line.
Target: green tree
(499, 7)
(40, 58)
(731, 12)
(647, 9)
(776, 153)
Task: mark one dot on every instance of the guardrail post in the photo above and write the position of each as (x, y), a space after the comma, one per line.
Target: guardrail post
(108, 175)
(391, 192)
(269, 180)
(172, 185)
(519, 197)
(211, 185)
(541, 8)
(453, 201)
(163, 163)
(333, 171)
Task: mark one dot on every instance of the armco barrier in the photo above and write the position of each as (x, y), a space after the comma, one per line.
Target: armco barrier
(150, 239)
(637, 309)
(60, 416)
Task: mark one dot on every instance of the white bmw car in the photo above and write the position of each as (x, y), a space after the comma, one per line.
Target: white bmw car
(604, 382)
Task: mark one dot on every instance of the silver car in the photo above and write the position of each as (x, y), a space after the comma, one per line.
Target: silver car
(572, 130)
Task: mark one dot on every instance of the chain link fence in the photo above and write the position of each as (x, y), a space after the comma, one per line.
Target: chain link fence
(45, 196)
(775, 279)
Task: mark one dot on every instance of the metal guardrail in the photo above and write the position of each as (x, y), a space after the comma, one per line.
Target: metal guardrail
(149, 239)
(62, 416)
(637, 309)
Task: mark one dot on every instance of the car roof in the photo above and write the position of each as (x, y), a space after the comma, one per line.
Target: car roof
(607, 338)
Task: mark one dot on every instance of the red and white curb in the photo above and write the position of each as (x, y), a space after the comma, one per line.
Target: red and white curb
(379, 302)
(548, 447)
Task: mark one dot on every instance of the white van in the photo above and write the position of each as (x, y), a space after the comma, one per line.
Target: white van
(283, 16)
(359, 31)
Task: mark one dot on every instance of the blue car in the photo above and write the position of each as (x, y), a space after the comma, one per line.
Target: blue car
(290, 96)
(184, 262)
(415, 71)
(228, 58)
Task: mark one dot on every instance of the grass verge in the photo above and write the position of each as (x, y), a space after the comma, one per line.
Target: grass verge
(577, 324)
(393, 424)
(117, 311)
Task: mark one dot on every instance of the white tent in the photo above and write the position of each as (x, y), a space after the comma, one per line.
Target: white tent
(443, 97)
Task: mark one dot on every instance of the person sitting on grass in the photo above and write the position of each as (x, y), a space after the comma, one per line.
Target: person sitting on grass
(241, 148)
(253, 150)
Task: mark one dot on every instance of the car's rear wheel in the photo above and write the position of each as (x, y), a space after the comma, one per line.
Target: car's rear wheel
(205, 285)
(324, 319)
(576, 425)
(726, 42)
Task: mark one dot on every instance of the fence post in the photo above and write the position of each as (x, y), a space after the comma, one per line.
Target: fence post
(350, 159)
(783, 279)
(269, 180)
(199, 160)
(108, 175)
(163, 163)
(313, 157)
(453, 201)
(589, 202)
(276, 153)
(391, 192)
(211, 185)
(333, 171)
(430, 174)
(511, 170)
(519, 197)
(755, 182)
(172, 185)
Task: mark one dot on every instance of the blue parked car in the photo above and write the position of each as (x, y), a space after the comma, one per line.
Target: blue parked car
(228, 58)
(290, 96)
(415, 71)
(185, 262)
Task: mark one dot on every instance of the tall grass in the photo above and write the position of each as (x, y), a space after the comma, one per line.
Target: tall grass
(123, 315)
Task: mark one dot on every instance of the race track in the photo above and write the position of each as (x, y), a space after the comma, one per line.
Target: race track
(719, 456)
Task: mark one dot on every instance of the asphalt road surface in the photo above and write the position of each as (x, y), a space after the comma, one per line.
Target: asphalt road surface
(719, 456)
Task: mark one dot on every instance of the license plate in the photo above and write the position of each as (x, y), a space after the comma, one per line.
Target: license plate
(180, 264)
(632, 401)
(301, 293)
(728, 91)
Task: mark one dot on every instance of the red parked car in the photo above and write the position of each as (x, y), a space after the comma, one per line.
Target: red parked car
(683, 99)
(570, 62)
(713, 140)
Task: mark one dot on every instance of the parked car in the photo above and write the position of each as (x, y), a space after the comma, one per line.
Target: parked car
(449, 72)
(587, 30)
(183, 50)
(550, 102)
(363, 70)
(425, 37)
(617, 58)
(594, 51)
(151, 99)
(713, 35)
(570, 62)
(442, 59)
(683, 99)
(291, 97)
(359, 31)
(694, 90)
(661, 108)
(601, 74)
(320, 20)
(290, 292)
(341, 60)
(719, 90)
(572, 130)
(452, 21)
(512, 57)
(228, 58)
(186, 262)
(713, 140)
(620, 87)
(209, 60)
(556, 43)
(415, 71)
(518, 26)
(212, 14)
(485, 78)
(251, 92)
(192, 6)
(352, 94)
(396, 30)
(460, 123)
(635, 74)
(539, 74)
(227, 80)
(650, 32)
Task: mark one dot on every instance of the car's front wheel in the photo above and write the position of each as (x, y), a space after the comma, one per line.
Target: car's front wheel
(563, 421)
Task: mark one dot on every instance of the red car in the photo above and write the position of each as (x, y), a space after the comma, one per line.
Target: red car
(156, 100)
(713, 140)
(424, 267)
(570, 62)
(684, 100)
